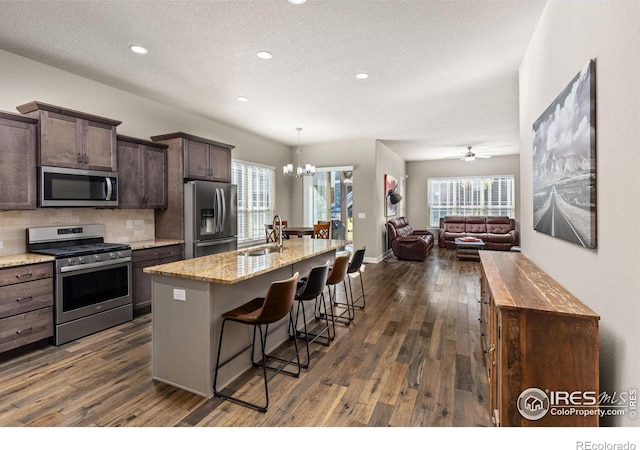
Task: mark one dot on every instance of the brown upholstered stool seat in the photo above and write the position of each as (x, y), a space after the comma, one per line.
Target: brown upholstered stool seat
(259, 312)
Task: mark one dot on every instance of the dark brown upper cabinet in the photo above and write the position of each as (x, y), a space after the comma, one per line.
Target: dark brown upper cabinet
(142, 173)
(18, 144)
(73, 139)
(202, 159)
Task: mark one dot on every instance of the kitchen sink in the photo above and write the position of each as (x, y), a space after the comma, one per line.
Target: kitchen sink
(261, 251)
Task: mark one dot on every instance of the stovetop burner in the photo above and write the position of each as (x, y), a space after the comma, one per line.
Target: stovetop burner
(82, 249)
(74, 241)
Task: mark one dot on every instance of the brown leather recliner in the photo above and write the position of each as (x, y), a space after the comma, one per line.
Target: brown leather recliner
(407, 243)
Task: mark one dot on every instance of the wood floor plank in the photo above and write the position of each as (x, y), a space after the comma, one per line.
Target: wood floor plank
(410, 358)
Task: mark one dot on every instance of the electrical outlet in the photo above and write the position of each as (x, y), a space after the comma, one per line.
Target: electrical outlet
(129, 223)
(180, 294)
(362, 215)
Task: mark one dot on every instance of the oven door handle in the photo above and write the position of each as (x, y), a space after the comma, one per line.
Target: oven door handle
(93, 265)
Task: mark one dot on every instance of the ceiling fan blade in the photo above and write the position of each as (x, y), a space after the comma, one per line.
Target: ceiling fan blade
(483, 156)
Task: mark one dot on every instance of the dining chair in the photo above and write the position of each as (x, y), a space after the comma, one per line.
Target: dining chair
(321, 231)
(272, 231)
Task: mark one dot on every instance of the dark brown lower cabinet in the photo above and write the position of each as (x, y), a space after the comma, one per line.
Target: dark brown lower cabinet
(26, 305)
(142, 281)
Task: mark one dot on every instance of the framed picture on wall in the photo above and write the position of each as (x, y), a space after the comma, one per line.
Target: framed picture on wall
(390, 185)
(564, 163)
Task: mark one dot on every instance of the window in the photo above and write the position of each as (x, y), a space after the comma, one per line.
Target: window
(256, 198)
(328, 196)
(471, 196)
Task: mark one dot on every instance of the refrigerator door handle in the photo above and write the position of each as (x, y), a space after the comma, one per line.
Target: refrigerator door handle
(214, 242)
(223, 219)
(218, 212)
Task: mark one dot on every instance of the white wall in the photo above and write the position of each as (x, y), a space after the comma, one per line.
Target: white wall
(359, 153)
(388, 162)
(606, 278)
(24, 80)
(419, 171)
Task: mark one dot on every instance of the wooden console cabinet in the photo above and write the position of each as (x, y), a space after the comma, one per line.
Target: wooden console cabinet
(535, 334)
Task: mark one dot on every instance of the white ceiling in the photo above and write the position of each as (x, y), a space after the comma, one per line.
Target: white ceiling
(443, 73)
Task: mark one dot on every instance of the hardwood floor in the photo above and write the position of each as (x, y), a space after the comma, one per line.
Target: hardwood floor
(411, 358)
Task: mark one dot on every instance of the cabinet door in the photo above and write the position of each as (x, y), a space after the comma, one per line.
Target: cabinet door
(155, 177)
(196, 160)
(142, 281)
(220, 162)
(60, 140)
(99, 146)
(17, 165)
(130, 180)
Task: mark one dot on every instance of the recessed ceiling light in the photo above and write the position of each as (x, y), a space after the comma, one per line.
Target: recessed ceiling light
(362, 76)
(264, 55)
(138, 49)
(242, 98)
(297, 2)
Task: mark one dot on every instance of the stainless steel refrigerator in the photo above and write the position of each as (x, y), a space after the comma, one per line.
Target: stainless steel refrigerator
(210, 219)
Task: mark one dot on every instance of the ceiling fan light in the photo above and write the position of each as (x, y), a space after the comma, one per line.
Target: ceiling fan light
(469, 158)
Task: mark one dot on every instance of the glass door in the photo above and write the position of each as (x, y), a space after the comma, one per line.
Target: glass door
(328, 197)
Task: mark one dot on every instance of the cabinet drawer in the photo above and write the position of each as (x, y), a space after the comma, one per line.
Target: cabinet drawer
(24, 297)
(22, 329)
(169, 251)
(22, 274)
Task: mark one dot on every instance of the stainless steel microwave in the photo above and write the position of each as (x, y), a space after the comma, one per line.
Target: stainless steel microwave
(63, 187)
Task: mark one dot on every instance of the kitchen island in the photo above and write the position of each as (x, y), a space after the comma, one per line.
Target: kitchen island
(190, 296)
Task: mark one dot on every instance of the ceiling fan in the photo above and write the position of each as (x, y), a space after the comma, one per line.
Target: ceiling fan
(470, 156)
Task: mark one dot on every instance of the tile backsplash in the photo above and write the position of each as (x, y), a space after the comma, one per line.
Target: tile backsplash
(121, 225)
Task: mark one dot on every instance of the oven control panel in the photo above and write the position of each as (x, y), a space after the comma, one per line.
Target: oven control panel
(92, 260)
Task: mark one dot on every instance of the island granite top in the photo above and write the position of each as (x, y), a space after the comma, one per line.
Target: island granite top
(235, 266)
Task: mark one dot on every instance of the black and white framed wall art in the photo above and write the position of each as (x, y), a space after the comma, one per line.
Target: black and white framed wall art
(564, 163)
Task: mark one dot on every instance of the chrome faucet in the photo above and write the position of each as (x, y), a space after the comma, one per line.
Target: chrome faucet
(278, 230)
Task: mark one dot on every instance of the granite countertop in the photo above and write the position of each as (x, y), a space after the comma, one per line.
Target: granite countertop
(23, 259)
(235, 266)
(152, 243)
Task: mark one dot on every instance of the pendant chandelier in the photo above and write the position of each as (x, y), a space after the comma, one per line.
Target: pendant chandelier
(308, 169)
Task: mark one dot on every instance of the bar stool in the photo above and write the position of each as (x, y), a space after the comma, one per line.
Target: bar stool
(355, 266)
(337, 275)
(258, 312)
(312, 288)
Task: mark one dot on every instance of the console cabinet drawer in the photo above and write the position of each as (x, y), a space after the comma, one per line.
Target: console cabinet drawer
(23, 329)
(24, 297)
(22, 274)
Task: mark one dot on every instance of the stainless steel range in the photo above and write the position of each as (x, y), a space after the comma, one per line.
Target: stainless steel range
(92, 281)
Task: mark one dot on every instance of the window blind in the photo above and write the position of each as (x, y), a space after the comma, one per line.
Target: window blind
(256, 198)
(470, 196)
